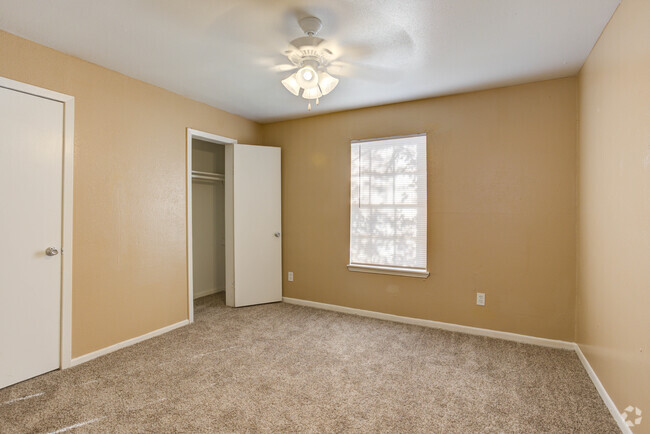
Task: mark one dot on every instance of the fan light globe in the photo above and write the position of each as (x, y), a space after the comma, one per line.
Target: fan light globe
(312, 93)
(326, 82)
(292, 84)
(307, 77)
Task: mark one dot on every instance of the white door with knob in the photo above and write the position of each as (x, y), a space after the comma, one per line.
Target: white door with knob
(31, 188)
(257, 220)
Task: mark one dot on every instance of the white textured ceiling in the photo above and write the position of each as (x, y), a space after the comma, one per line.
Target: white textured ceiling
(221, 52)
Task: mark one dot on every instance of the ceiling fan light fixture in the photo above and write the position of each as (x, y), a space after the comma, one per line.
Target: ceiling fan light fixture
(311, 56)
(312, 93)
(326, 82)
(307, 77)
(292, 84)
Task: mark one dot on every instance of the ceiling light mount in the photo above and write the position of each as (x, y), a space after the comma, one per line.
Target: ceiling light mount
(310, 25)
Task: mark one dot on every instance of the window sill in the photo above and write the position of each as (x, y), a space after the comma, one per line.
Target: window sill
(422, 274)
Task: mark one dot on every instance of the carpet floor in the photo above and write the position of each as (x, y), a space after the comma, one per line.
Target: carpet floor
(281, 367)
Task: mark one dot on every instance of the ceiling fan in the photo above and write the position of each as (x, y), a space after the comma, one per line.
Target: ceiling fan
(310, 55)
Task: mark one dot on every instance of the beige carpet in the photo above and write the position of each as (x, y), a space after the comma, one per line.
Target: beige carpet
(286, 368)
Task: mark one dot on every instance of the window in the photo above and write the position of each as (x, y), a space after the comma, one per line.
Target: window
(388, 206)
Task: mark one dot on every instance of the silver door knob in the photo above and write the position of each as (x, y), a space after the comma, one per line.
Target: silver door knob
(276, 235)
(51, 251)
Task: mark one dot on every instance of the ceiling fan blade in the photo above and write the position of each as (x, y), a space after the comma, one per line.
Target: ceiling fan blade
(350, 51)
(389, 47)
(253, 26)
(364, 72)
(284, 67)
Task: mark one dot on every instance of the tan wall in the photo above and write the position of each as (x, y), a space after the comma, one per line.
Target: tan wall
(130, 249)
(501, 208)
(613, 307)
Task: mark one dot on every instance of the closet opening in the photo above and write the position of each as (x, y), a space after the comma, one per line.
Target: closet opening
(209, 217)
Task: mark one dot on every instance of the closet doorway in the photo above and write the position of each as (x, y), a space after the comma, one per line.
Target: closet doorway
(210, 241)
(208, 218)
(234, 220)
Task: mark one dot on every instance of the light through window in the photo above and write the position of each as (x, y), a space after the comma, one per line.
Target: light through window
(388, 207)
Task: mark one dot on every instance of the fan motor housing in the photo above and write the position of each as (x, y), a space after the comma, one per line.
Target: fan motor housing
(307, 50)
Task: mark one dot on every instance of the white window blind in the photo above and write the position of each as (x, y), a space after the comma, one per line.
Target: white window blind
(388, 209)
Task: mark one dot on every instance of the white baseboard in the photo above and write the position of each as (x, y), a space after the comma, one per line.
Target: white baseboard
(602, 392)
(207, 292)
(86, 357)
(436, 324)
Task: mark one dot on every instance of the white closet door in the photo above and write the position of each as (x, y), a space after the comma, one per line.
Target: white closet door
(257, 224)
(31, 169)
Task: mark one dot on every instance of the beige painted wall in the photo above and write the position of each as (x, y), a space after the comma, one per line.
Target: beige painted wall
(130, 248)
(208, 220)
(613, 304)
(501, 189)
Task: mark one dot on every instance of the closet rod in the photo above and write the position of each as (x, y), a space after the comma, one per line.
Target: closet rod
(211, 178)
(208, 176)
(196, 172)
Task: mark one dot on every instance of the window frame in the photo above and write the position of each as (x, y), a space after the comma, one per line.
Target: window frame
(384, 269)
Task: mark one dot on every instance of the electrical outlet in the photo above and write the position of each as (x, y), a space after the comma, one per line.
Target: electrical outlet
(290, 277)
(480, 298)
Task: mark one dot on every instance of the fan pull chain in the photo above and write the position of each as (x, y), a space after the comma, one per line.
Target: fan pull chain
(316, 101)
(309, 106)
